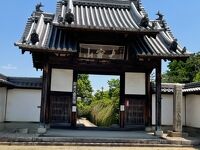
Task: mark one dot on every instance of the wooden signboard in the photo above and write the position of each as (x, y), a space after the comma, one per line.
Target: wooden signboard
(96, 51)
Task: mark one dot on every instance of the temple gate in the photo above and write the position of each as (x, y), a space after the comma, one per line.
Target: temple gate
(100, 37)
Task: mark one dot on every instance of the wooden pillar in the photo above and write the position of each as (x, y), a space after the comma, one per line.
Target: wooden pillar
(44, 111)
(122, 101)
(148, 112)
(74, 100)
(158, 97)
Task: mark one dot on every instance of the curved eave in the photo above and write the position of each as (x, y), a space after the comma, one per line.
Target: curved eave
(33, 48)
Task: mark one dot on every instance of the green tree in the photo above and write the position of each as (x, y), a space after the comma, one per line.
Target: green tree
(114, 87)
(183, 72)
(99, 94)
(84, 88)
(104, 108)
(84, 91)
(197, 77)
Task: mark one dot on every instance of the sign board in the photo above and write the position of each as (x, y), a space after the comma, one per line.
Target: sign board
(73, 108)
(96, 51)
(74, 92)
(122, 108)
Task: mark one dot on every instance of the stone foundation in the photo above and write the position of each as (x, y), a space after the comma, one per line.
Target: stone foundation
(19, 127)
(177, 134)
(158, 133)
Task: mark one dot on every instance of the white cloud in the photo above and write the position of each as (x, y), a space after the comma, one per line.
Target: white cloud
(9, 67)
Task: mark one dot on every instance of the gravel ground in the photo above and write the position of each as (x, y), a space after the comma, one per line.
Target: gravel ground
(90, 148)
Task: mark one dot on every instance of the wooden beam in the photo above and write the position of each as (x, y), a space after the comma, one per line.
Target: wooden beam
(148, 117)
(48, 109)
(158, 96)
(107, 66)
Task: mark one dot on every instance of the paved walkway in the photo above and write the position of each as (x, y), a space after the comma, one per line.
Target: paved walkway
(84, 122)
(100, 134)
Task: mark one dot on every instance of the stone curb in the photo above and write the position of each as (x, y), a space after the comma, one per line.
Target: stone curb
(61, 141)
(91, 144)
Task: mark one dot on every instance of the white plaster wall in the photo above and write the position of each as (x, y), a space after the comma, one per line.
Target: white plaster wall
(22, 105)
(61, 80)
(193, 110)
(135, 83)
(167, 109)
(3, 92)
(183, 111)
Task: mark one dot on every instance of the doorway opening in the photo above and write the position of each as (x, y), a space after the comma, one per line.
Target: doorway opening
(98, 98)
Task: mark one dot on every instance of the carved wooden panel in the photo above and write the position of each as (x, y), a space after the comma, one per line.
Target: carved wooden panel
(60, 109)
(134, 112)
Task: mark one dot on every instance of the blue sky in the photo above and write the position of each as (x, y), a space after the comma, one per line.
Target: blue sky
(182, 16)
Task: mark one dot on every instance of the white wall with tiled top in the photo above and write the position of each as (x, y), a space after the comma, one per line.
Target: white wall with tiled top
(22, 106)
(167, 109)
(3, 93)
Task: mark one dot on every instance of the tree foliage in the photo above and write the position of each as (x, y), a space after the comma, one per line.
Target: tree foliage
(105, 107)
(84, 88)
(84, 94)
(114, 87)
(183, 72)
(102, 110)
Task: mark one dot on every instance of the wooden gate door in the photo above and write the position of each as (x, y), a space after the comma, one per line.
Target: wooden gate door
(60, 110)
(135, 112)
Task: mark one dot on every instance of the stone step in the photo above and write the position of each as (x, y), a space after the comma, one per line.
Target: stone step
(66, 141)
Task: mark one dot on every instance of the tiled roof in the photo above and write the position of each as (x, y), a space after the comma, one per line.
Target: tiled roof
(4, 81)
(187, 88)
(191, 90)
(20, 82)
(2, 77)
(192, 87)
(97, 15)
(24, 82)
(41, 22)
(165, 87)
